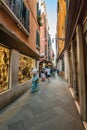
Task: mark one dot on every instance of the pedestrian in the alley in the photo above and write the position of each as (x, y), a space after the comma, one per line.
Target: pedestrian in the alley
(48, 73)
(57, 72)
(43, 76)
(35, 80)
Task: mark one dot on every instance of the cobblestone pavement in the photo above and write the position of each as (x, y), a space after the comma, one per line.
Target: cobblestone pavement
(51, 108)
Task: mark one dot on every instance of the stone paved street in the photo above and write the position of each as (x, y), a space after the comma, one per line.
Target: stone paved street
(51, 108)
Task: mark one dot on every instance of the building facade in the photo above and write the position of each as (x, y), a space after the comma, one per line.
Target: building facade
(43, 36)
(19, 47)
(76, 53)
(60, 36)
(50, 50)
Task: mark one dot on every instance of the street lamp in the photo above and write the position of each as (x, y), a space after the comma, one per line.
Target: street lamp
(62, 39)
(56, 45)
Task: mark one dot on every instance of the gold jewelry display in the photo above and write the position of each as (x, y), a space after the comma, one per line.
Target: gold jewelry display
(25, 67)
(4, 68)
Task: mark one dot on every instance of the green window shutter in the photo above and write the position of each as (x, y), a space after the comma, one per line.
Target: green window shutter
(37, 38)
(28, 20)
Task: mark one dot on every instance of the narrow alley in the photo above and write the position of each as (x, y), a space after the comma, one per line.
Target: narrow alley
(39, 38)
(51, 108)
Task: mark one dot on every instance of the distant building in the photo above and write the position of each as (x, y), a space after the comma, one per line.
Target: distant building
(50, 50)
(44, 37)
(44, 31)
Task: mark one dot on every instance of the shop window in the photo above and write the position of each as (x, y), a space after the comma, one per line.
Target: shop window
(4, 69)
(26, 65)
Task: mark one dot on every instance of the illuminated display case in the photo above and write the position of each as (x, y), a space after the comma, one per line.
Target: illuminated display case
(26, 65)
(4, 68)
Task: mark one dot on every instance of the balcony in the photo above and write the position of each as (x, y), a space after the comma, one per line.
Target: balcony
(20, 11)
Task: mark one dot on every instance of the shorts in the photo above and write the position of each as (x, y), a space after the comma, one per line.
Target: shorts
(48, 76)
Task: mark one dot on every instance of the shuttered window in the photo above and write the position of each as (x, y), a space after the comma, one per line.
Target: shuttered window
(37, 38)
(22, 13)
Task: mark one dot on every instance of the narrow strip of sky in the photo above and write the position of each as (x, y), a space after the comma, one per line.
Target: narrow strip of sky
(51, 7)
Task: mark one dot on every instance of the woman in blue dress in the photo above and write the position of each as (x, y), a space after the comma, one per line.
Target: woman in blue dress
(35, 81)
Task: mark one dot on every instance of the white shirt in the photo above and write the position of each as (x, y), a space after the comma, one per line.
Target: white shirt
(48, 71)
(42, 75)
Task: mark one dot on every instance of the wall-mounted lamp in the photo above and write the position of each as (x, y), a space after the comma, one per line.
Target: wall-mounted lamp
(62, 39)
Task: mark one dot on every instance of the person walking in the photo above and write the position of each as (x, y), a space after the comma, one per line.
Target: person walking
(35, 81)
(57, 72)
(48, 73)
(43, 76)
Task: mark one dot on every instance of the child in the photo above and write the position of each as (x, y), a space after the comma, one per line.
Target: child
(48, 73)
(43, 77)
(35, 81)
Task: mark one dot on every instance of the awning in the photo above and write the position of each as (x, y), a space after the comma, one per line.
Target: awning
(44, 60)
